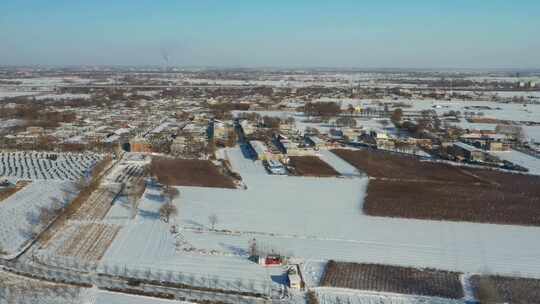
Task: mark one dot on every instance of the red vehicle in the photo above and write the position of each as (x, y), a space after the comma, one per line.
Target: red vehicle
(272, 260)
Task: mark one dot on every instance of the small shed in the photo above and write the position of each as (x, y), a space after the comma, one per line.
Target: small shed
(314, 141)
(260, 149)
(468, 152)
(270, 260)
(293, 274)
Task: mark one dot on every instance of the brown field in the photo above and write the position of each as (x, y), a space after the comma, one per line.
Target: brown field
(496, 289)
(457, 202)
(311, 166)
(89, 241)
(405, 187)
(189, 172)
(486, 120)
(385, 278)
(387, 165)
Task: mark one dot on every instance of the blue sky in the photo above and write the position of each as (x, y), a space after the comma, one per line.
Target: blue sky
(252, 33)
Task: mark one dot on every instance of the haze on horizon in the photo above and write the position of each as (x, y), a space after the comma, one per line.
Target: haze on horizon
(386, 34)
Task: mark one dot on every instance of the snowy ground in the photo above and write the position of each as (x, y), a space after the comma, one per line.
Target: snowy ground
(532, 133)
(506, 111)
(337, 296)
(106, 297)
(522, 159)
(19, 212)
(7, 94)
(147, 242)
(321, 219)
(313, 219)
(63, 96)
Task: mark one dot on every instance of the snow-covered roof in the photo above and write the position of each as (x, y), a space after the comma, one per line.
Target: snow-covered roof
(259, 147)
(316, 140)
(467, 147)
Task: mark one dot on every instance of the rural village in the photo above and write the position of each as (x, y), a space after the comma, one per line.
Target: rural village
(142, 185)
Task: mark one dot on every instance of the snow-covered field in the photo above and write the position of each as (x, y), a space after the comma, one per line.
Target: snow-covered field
(522, 159)
(19, 213)
(313, 219)
(507, 111)
(147, 243)
(50, 81)
(7, 94)
(40, 95)
(337, 296)
(36, 165)
(322, 219)
(63, 96)
(532, 133)
(107, 297)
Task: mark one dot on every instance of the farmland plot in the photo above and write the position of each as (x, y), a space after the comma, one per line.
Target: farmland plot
(107, 297)
(406, 187)
(129, 173)
(88, 241)
(19, 213)
(189, 172)
(386, 165)
(311, 166)
(99, 203)
(147, 245)
(404, 280)
(46, 166)
(497, 289)
(326, 222)
(18, 289)
(512, 203)
(340, 296)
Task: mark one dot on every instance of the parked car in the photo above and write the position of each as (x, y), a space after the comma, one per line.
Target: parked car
(275, 167)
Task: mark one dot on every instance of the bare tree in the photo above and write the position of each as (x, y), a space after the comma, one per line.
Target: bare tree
(81, 183)
(521, 137)
(213, 220)
(170, 192)
(46, 215)
(253, 250)
(134, 193)
(132, 202)
(167, 211)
